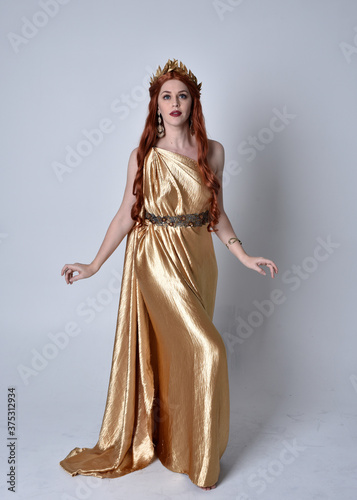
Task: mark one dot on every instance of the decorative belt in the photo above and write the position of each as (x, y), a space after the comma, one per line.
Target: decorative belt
(187, 220)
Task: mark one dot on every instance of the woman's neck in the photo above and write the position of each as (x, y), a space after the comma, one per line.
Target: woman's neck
(177, 140)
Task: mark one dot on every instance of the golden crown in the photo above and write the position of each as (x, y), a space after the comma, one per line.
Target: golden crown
(174, 65)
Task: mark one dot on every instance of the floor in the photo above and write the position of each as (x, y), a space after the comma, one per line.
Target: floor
(278, 449)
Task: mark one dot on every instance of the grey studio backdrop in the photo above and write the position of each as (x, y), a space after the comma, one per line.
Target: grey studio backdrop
(279, 92)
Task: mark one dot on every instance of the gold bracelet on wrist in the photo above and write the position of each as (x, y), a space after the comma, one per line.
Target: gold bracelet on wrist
(233, 240)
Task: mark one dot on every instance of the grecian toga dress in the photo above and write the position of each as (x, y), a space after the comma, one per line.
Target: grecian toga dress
(168, 392)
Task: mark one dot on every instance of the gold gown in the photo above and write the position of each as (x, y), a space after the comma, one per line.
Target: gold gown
(168, 392)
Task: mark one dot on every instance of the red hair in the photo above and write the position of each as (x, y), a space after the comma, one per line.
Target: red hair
(149, 138)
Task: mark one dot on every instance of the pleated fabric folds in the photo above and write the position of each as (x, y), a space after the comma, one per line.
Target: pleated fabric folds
(168, 392)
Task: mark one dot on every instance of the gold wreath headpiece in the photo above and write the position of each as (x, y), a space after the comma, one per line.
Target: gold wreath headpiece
(174, 65)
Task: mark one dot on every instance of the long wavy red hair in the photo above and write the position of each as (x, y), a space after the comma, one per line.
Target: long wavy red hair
(148, 140)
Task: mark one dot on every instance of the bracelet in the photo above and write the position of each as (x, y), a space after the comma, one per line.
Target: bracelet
(233, 240)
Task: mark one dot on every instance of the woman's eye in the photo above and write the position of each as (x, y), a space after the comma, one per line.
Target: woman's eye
(184, 96)
(167, 95)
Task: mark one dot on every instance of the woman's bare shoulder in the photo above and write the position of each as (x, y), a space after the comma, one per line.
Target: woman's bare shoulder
(215, 155)
(132, 164)
(133, 154)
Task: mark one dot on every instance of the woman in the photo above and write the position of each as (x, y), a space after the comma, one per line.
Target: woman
(168, 393)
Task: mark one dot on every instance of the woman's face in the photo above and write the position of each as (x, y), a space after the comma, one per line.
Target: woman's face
(174, 102)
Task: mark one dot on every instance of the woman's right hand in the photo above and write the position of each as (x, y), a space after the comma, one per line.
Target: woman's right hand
(83, 270)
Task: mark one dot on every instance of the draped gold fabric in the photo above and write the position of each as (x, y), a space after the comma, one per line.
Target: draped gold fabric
(168, 392)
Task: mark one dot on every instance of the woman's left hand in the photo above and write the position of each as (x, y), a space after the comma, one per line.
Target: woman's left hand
(255, 263)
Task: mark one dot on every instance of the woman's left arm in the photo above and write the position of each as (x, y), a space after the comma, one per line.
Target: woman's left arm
(224, 227)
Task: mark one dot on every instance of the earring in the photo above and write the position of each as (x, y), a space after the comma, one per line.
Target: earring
(160, 128)
(192, 130)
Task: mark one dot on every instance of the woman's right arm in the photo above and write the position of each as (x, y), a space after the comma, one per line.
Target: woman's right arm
(117, 230)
